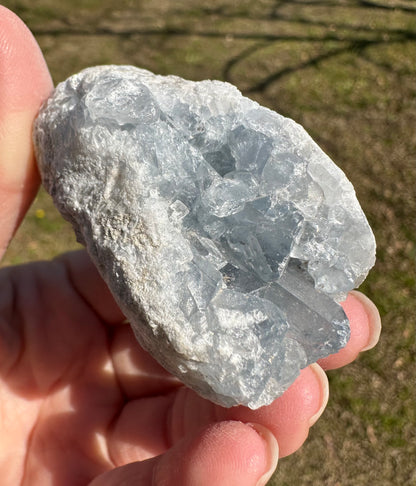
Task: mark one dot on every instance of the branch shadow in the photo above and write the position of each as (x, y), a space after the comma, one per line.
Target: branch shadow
(306, 26)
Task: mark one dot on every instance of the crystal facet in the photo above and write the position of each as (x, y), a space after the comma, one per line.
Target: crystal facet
(224, 232)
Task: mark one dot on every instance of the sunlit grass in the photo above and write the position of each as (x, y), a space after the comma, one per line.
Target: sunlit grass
(358, 101)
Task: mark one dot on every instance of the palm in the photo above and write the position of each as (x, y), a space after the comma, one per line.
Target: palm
(75, 374)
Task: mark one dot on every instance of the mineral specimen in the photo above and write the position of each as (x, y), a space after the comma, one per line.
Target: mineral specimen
(224, 232)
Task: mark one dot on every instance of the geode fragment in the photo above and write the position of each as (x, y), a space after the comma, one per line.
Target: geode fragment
(224, 232)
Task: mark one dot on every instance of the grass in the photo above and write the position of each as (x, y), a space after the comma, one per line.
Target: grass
(345, 70)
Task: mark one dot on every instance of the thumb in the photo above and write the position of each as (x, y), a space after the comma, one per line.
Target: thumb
(24, 83)
(224, 454)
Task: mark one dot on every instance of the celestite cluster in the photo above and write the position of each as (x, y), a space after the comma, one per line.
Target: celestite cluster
(224, 232)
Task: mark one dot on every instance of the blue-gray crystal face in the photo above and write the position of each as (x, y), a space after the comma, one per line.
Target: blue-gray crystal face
(225, 234)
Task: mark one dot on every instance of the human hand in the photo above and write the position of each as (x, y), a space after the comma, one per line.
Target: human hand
(80, 402)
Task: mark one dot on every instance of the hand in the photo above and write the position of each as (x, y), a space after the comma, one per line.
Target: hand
(80, 402)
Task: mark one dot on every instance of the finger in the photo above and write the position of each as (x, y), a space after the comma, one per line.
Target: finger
(24, 83)
(291, 415)
(149, 426)
(224, 454)
(365, 324)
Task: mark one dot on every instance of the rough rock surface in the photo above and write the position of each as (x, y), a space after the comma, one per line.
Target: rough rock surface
(225, 233)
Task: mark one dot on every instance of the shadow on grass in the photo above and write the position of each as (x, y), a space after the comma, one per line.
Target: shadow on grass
(342, 36)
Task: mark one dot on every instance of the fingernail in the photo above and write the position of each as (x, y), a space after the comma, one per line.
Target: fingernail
(374, 319)
(273, 449)
(323, 379)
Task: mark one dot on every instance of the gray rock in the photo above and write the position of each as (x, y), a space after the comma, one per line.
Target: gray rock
(224, 232)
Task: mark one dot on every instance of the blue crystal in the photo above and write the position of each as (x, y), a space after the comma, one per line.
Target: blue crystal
(226, 235)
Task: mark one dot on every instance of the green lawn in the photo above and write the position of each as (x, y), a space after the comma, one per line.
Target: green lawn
(344, 69)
